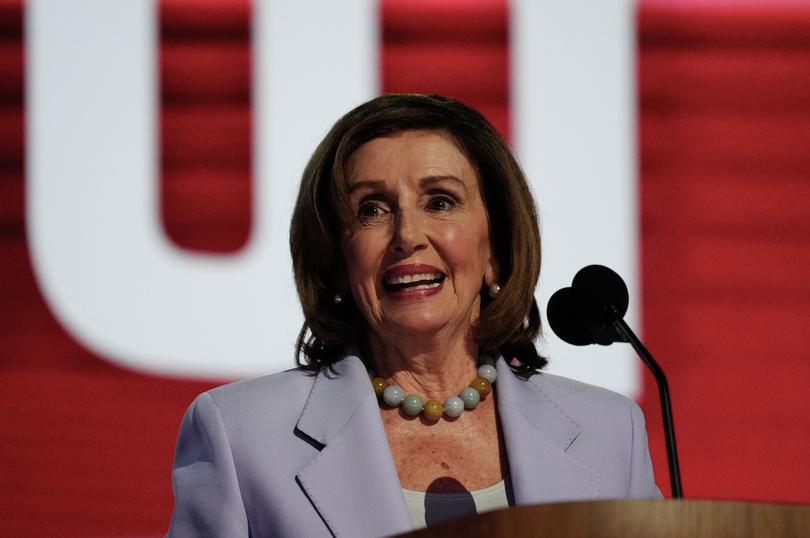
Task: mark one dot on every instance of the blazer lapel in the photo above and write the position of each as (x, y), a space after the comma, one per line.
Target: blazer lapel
(537, 434)
(352, 482)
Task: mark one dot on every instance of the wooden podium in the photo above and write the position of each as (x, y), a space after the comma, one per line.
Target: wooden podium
(682, 518)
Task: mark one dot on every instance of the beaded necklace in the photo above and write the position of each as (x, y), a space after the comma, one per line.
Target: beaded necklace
(432, 410)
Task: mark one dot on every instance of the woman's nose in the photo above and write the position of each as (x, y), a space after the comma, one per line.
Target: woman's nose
(409, 232)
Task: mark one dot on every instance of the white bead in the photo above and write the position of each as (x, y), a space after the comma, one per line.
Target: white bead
(488, 372)
(453, 406)
(393, 395)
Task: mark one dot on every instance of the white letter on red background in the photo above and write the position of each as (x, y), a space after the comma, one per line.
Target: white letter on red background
(573, 100)
(99, 252)
(123, 290)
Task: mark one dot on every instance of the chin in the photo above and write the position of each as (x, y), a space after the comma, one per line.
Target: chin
(417, 324)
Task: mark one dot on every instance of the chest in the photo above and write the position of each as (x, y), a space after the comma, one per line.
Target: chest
(448, 456)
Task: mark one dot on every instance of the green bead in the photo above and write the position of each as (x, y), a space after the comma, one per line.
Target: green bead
(471, 397)
(486, 359)
(412, 405)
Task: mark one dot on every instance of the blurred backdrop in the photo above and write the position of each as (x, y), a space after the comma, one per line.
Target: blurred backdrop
(704, 116)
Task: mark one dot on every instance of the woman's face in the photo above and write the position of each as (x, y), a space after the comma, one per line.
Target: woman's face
(417, 251)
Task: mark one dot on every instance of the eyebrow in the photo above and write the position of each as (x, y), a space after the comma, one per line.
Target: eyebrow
(370, 183)
(424, 183)
(429, 181)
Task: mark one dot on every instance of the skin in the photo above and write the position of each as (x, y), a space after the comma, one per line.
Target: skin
(417, 201)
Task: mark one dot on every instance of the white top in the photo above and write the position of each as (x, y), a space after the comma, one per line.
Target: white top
(431, 508)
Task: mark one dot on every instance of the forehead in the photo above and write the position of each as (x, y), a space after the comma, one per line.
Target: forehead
(410, 155)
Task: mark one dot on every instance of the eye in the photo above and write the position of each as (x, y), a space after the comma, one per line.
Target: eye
(441, 203)
(370, 210)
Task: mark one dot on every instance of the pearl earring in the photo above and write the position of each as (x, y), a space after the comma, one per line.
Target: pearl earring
(494, 289)
(338, 299)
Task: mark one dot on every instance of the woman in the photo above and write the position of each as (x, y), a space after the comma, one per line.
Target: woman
(416, 253)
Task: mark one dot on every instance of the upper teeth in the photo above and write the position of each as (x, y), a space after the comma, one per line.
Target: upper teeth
(405, 279)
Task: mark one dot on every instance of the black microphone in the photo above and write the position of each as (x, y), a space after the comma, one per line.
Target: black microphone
(591, 311)
(585, 312)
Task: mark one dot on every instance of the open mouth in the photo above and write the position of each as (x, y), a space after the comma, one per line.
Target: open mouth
(414, 282)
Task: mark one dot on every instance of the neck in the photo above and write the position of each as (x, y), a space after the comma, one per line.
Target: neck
(432, 369)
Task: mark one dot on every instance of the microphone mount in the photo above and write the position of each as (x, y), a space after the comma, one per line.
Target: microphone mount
(591, 311)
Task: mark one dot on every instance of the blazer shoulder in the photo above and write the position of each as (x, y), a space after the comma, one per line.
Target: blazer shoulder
(612, 435)
(570, 392)
(284, 390)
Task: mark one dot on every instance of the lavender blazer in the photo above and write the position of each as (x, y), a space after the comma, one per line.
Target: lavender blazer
(300, 454)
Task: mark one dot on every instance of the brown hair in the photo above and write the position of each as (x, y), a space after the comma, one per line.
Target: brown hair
(507, 324)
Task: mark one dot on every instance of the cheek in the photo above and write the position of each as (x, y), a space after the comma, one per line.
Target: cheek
(362, 257)
(466, 248)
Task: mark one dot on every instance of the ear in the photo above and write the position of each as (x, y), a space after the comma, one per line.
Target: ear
(340, 278)
(492, 273)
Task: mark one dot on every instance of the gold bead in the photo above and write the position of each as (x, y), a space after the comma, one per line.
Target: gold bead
(482, 386)
(379, 385)
(433, 410)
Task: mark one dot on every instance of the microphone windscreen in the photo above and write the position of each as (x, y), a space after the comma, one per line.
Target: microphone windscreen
(566, 316)
(584, 313)
(601, 288)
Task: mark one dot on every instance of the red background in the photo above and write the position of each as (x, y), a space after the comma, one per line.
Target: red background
(724, 117)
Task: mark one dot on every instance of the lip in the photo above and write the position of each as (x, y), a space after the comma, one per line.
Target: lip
(412, 269)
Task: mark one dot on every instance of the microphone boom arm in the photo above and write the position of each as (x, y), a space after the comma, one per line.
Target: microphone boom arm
(663, 390)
